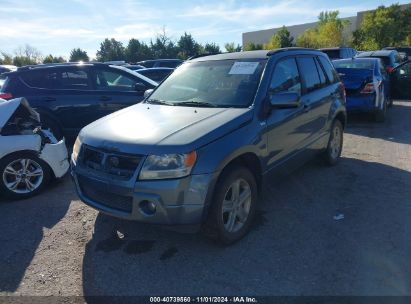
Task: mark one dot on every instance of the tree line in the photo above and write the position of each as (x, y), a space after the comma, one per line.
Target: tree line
(385, 26)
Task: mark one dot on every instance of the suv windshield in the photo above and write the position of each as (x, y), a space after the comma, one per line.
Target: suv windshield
(223, 83)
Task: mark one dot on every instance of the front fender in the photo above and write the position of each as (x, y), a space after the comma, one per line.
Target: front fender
(215, 156)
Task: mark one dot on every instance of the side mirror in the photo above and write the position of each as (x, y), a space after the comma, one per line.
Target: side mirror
(140, 87)
(285, 100)
(148, 93)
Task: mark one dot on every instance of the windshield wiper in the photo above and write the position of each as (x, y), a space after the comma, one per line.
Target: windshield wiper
(160, 102)
(197, 104)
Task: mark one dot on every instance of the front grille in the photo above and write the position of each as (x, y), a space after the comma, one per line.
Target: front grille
(112, 163)
(103, 197)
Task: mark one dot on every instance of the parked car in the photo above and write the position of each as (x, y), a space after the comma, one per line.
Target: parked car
(390, 58)
(163, 63)
(29, 156)
(199, 148)
(367, 85)
(402, 49)
(70, 96)
(339, 52)
(156, 74)
(7, 68)
(401, 81)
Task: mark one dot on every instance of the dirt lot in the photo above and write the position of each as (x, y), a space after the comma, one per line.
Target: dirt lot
(55, 245)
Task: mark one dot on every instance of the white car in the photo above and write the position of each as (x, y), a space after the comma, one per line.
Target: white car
(29, 156)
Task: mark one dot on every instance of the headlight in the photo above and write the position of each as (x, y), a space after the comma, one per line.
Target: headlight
(168, 166)
(76, 150)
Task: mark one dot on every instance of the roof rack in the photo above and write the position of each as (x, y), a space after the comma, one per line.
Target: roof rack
(294, 48)
(49, 65)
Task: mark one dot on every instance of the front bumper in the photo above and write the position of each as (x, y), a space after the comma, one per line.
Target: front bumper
(57, 157)
(177, 201)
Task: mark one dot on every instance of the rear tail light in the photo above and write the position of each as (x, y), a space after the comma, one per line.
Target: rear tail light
(390, 69)
(342, 88)
(368, 88)
(6, 96)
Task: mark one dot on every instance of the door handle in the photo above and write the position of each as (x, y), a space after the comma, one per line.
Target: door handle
(48, 98)
(105, 98)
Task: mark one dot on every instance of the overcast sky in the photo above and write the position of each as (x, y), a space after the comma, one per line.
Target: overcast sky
(58, 26)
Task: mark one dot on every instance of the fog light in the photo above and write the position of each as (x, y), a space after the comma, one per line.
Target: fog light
(147, 207)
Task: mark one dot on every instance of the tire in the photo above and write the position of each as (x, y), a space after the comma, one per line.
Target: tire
(28, 186)
(335, 143)
(227, 227)
(381, 114)
(53, 126)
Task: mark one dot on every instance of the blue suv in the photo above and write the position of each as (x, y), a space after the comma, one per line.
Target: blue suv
(198, 149)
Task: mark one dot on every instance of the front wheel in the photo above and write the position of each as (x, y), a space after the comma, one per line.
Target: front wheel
(335, 143)
(22, 175)
(233, 207)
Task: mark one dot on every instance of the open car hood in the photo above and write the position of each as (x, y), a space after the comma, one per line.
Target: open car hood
(9, 107)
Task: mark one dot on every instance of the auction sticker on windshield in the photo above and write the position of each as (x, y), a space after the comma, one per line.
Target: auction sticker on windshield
(243, 68)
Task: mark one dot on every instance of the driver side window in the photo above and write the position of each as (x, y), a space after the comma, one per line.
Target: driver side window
(286, 77)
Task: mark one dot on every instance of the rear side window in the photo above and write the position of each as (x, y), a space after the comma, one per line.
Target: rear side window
(57, 79)
(323, 80)
(77, 80)
(286, 77)
(309, 73)
(329, 70)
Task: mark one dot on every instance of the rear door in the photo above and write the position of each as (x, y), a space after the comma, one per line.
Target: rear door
(401, 81)
(65, 92)
(316, 99)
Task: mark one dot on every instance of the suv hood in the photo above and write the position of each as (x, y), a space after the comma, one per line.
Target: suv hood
(158, 129)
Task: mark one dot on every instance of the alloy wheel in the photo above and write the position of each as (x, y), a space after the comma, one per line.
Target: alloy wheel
(23, 176)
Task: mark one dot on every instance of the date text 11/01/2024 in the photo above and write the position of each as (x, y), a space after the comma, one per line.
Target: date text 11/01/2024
(203, 300)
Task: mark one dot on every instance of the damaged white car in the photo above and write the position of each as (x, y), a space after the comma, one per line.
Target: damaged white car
(29, 156)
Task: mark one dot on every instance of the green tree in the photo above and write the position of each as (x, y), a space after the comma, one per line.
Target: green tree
(51, 59)
(385, 26)
(163, 46)
(280, 39)
(251, 46)
(137, 51)
(110, 50)
(6, 58)
(188, 46)
(78, 55)
(330, 32)
(230, 47)
(212, 48)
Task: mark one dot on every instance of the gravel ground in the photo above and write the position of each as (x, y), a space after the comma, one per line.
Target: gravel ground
(55, 245)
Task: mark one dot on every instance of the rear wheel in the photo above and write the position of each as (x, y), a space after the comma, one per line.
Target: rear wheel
(381, 114)
(335, 143)
(23, 175)
(233, 207)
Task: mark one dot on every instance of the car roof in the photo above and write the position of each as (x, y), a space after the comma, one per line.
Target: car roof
(156, 69)
(260, 54)
(359, 59)
(376, 53)
(161, 60)
(334, 48)
(58, 65)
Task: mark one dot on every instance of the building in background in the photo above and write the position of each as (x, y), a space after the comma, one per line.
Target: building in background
(263, 36)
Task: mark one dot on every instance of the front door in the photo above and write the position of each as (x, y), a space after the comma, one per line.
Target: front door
(401, 81)
(283, 135)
